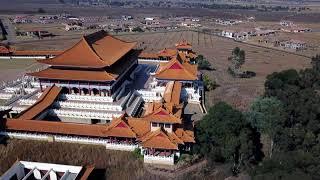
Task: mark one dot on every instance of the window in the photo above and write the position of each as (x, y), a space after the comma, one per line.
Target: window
(167, 125)
(95, 121)
(161, 125)
(154, 124)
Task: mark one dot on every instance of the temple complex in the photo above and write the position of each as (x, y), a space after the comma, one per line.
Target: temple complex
(168, 53)
(97, 92)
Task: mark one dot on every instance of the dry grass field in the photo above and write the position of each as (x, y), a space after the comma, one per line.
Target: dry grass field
(238, 92)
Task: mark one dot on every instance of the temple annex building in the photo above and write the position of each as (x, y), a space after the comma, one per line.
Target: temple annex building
(103, 91)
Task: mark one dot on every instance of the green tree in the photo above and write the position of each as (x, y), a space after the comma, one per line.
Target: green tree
(298, 138)
(208, 83)
(267, 115)
(237, 59)
(224, 135)
(203, 64)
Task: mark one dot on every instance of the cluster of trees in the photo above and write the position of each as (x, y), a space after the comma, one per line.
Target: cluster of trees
(296, 150)
(287, 116)
(225, 136)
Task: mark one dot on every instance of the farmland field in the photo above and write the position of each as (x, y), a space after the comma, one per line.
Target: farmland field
(238, 92)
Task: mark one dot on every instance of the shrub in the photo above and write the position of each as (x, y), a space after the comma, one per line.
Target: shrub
(137, 29)
(203, 64)
(137, 153)
(208, 83)
(41, 11)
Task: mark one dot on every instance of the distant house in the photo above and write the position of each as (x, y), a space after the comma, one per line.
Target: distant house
(293, 44)
(149, 18)
(228, 33)
(190, 24)
(227, 22)
(296, 30)
(260, 32)
(126, 18)
(237, 35)
(72, 26)
(195, 19)
(286, 23)
(34, 33)
(22, 19)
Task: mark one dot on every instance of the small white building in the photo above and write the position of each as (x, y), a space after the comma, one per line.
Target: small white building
(286, 23)
(228, 34)
(293, 44)
(72, 27)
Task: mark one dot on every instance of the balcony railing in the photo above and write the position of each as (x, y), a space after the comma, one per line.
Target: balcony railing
(167, 160)
(87, 98)
(122, 147)
(85, 115)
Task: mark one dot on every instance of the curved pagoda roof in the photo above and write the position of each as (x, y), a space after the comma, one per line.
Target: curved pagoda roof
(97, 50)
(183, 45)
(176, 69)
(77, 75)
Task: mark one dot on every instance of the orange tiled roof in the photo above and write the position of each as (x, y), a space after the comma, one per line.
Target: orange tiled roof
(4, 49)
(160, 140)
(168, 53)
(120, 128)
(45, 100)
(56, 127)
(148, 55)
(183, 45)
(85, 172)
(161, 115)
(64, 74)
(176, 70)
(139, 126)
(185, 135)
(97, 50)
(172, 92)
(192, 55)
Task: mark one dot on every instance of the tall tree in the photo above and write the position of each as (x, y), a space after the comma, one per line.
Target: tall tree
(267, 115)
(237, 59)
